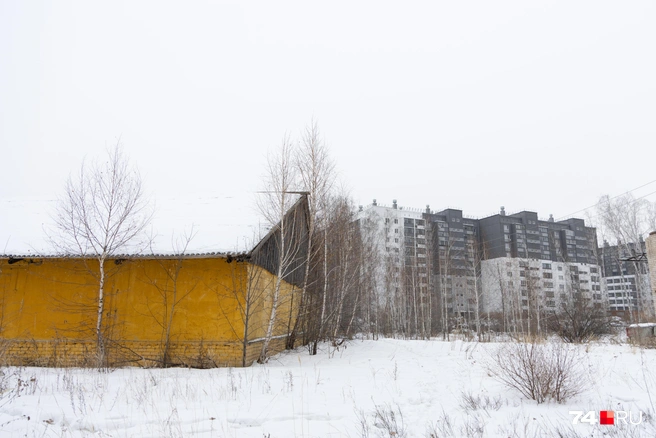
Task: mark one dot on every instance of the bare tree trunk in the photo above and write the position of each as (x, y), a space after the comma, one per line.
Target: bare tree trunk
(169, 323)
(272, 318)
(324, 292)
(347, 333)
(244, 344)
(100, 339)
(303, 306)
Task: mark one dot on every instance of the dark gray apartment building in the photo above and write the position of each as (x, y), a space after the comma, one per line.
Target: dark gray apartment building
(454, 245)
(523, 235)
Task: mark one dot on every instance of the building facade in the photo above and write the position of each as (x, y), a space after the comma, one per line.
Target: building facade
(536, 266)
(510, 268)
(626, 279)
(456, 258)
(505, 266)
(651, 261)
(402, 265)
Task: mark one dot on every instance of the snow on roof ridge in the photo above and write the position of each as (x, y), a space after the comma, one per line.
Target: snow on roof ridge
(132, 256)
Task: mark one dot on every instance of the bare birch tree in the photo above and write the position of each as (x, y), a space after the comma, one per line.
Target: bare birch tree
(281, 179)
(317, 176)
(102, 212)
(444, 250)
(247, 292)
(474, 258)
(371, 265)
(344, 269)
(627, 221)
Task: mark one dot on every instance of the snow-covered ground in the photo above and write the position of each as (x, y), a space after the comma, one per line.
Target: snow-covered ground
(417, 388)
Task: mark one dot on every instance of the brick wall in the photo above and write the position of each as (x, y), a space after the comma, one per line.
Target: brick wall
(67, 353)
(48, 312)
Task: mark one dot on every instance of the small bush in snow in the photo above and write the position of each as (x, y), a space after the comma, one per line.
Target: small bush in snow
(390, 421)
(471, 402)
(442, 428)
(539, 372)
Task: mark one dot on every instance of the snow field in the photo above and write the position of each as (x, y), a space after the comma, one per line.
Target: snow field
(384, 388)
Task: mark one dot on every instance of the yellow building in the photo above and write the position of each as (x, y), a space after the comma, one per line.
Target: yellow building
(199, 310)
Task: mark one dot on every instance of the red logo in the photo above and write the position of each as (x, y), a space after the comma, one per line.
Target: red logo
(607, 417)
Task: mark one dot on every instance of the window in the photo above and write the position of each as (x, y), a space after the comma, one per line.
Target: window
(396, 231)
(560, 268)
(547, 275)
(546, 265)
(387, 220)
(396, 221)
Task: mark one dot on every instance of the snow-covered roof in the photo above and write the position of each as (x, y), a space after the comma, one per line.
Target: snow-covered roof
(198, 255)
(642, 324)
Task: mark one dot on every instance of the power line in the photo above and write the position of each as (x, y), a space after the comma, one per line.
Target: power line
(614, 197)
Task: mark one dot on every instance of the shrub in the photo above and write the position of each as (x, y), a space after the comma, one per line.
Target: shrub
(579, 321)
(539, 372)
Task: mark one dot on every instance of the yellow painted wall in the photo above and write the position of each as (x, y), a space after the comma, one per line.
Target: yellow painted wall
(262, 284)
(48, 310)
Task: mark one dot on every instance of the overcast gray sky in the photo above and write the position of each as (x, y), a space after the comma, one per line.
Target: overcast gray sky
(543, 106)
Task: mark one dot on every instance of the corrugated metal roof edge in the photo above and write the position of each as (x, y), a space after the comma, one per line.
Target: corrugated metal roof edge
(224, 255)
